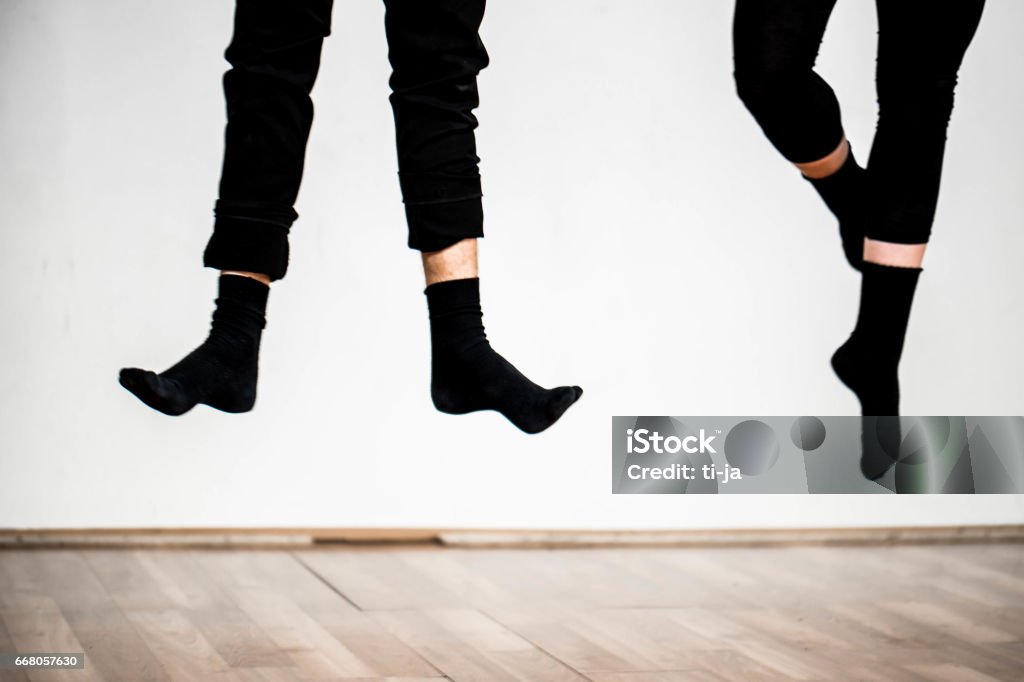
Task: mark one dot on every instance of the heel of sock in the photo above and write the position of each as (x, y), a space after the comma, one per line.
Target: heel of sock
(875, 384)
(846, 369)
(448, 401)
(233, 402)
(842, 366)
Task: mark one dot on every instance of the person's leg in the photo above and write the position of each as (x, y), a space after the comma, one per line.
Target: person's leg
(274, 56)
(921, 46)
(458, 261)
(775, 44)
(436, 54)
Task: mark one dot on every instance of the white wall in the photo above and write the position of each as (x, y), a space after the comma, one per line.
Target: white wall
(644, 241)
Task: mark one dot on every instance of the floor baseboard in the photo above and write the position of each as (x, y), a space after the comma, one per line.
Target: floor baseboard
(300, 538)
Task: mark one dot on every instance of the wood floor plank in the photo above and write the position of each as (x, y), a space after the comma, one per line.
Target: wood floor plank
(788, 627)
(36, 625)
(465, 644)
(277, 674)
(301, 612)
(311, 648)
(733, 665)
(554, 628)
(7, 645)
(916, 643)
(879, 673)
(950, 672)
(666, 676)
(174, 639)
(974, 567)
(111, 644)
(180, 647)
(9, 597)
(867, 646)
(380, 580)
(629, 640)
(530, 577)
(955, 623)
(793, 661)
(239, 641)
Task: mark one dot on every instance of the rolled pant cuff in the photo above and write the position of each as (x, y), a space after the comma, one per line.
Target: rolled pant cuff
(895, 233)
(441, 209)
(433, 227)
(248, 245)
(909, 239)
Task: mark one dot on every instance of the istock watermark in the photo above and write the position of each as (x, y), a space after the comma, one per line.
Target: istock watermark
(806, 454)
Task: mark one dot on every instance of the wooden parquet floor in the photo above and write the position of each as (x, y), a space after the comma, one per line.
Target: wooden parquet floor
(932, 612)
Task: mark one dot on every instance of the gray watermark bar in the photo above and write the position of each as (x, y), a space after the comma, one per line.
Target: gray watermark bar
(41, 660)
(817, 455)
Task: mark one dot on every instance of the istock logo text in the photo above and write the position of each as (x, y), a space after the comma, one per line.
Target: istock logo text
(642, 441)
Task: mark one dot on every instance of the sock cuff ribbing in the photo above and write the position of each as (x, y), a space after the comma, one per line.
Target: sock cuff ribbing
(892, 271)
(453, 293)
(245, 290)
(241, 305)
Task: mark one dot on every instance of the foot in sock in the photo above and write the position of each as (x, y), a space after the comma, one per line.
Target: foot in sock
(869, 360)
(845, 194)
(222, 371)
(880, 445)
(468, 375)
(875, 383)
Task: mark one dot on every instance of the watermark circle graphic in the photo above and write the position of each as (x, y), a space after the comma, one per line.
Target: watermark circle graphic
(808, 433)
(752, 447)
(927, 437)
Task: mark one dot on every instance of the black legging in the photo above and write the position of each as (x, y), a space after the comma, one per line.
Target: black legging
(920, 47)
(435, 53)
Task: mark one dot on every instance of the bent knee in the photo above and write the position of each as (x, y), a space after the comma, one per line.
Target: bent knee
(763, 90)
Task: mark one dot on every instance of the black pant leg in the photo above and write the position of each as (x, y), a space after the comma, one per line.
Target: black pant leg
(436, 53)
(775, 46)
(274, 56)
(921, 45)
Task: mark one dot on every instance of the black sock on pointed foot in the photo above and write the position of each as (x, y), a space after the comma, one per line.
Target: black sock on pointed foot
(468, 375)
(845, 194)
(880, 445)
(868, 362)
(222, 371)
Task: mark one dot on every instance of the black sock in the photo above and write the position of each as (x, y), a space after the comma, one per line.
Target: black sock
(468, 375)
(880, 439)
(867, 363)
(844, 192)
(222, 371)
